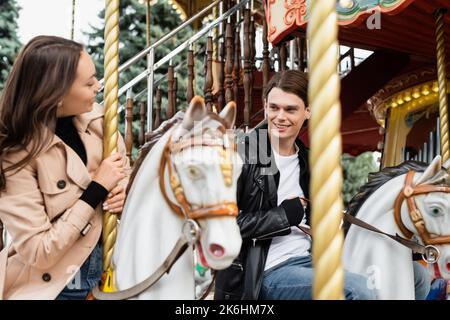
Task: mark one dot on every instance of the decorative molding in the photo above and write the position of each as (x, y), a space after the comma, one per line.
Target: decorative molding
(413, 98)
(295, 11)
(285, 16)
(377, 103)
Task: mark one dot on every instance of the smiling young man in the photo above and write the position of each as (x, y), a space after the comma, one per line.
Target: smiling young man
(275, 257)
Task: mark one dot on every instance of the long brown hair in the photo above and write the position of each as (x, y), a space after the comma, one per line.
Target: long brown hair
(41, 76)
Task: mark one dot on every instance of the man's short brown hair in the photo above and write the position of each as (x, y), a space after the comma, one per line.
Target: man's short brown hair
(292, 81)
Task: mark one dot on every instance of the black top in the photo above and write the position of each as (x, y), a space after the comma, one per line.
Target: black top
(66, 131)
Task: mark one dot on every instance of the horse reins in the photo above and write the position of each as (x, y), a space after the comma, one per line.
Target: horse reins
(191, 230)
(408, 193)
(430, 253)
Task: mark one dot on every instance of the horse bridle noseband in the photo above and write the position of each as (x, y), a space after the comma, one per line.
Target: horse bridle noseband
(184, 209)
(430, 253)
(408, 192)
(191, 230)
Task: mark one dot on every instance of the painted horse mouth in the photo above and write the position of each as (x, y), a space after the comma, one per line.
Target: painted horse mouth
(448, 266)
(202, 255)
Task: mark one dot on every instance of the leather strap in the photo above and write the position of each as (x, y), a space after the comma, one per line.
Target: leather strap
(416, 247)
(208, 290)
(179, 248)
(407, 190)
(408, 193)
(305, 230)
(162, 184)
(184, 210)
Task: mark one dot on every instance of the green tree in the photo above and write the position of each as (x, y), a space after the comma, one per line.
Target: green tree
(132, 39)
(9, 42)
(356, 170)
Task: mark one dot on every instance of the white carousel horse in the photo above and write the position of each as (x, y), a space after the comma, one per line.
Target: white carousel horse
(391, 200)
(202, 169)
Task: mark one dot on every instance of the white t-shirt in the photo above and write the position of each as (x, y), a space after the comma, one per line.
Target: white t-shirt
(297, 243)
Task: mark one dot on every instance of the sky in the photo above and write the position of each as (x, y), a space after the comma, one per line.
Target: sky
(54, 17)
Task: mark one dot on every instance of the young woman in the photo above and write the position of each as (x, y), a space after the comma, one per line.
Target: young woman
(52, 176)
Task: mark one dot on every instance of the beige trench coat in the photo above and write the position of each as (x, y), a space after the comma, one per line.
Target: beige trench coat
(41, 210)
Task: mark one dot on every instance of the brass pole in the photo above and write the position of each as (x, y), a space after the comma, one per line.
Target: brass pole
(326, 149)
(72, 30)
(148, 20)
(149, 67)
(442, 82)
(111, 133)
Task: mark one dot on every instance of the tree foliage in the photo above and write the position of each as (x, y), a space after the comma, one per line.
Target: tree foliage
(132, 40)
(356, 170)
(9, 41)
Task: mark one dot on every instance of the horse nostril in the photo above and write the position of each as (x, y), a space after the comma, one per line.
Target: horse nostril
(448, 266)
(216, 250)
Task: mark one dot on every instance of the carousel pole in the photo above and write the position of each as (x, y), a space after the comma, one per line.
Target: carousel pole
(72, 30)
(326, 149)
(147, 22)
(150, 62)
(442, 82)
(110, 128)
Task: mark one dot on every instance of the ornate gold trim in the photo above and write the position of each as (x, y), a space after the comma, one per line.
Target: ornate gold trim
(414, 98)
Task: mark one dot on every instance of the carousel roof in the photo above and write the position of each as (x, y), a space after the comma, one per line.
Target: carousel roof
(190, 7)
(404, 25)
(402, 36)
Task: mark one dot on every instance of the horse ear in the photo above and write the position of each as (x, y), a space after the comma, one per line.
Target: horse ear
(229, 114)
(195, 112)
(434, 167)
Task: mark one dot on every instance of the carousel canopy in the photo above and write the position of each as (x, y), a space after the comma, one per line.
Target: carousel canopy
(401, 25)
(190, 7)
(401, 33)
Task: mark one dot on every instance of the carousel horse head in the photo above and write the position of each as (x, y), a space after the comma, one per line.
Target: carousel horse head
(426, 212)
(413, 201)
(182, 190)
(203, 168)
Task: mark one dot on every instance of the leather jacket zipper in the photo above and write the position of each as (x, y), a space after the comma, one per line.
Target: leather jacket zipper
(271, 233)
(238, 265)
(260, 206)
(266, 236)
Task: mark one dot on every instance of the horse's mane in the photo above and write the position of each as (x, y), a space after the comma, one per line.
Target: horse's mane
(152, 139)
(376, 180)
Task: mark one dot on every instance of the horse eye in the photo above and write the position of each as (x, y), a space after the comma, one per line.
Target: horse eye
(194, 173)
(435, 211)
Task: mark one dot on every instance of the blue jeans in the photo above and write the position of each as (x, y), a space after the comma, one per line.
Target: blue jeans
(86, 278)
(293, 280)
(422, 281)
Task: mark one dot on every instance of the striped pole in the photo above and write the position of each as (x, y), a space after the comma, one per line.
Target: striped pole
(111, 133)
(326, 149)
(72, 30)
(442, 82)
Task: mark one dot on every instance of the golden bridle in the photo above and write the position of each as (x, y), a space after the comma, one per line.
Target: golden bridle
(226, 146)
(409, 192)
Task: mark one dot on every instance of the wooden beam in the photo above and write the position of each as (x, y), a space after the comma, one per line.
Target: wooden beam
(365, 80)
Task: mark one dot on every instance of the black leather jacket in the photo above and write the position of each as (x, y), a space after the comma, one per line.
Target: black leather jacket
(259, 218)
